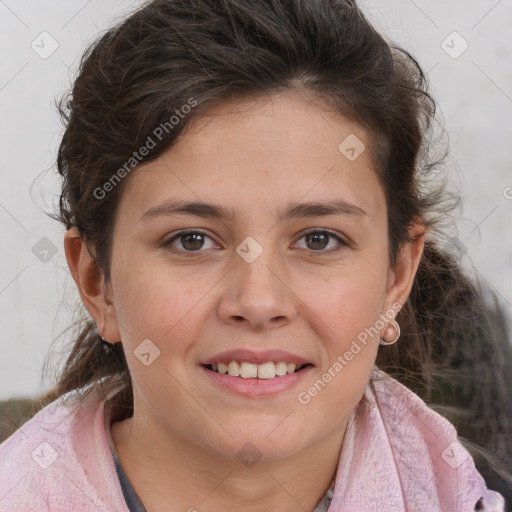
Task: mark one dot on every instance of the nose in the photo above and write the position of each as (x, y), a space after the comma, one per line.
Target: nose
(257, 294)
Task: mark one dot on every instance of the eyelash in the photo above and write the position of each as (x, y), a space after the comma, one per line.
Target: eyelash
(181, 234)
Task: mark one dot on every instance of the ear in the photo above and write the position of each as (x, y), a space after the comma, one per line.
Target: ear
(91, 285)
(401, 276)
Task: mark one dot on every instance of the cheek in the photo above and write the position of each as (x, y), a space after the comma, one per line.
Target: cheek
(349, 309)
(351, 299)
(348, 320)
(163, 311)
(152, 303)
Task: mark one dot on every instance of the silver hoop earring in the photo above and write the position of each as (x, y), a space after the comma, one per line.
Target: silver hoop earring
(397, 328)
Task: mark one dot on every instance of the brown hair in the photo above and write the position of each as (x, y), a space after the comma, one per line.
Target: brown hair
(141, 72)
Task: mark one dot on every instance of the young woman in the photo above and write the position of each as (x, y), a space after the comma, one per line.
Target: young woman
(251, 224)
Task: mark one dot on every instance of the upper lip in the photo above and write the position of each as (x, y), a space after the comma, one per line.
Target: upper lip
(255, 357)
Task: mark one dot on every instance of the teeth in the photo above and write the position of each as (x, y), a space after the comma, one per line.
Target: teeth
(248, 370)
(266, 371)
(281, 368)
(245, 370)
(234, 369)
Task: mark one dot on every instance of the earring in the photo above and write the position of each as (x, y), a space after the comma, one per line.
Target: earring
(397, 328)
(106, 344)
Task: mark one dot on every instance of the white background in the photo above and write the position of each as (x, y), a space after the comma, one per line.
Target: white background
(37, 298)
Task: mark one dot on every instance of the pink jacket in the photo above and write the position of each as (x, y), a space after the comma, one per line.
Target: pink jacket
(398, 455)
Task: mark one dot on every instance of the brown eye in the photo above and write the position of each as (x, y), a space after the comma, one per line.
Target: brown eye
(318, 240)
(188, 241)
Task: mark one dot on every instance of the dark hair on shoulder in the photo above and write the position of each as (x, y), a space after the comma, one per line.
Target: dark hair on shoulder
(454, 349)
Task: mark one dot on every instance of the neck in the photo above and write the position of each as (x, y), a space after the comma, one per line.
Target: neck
(168, 470)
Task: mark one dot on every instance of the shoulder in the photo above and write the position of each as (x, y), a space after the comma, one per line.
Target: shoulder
(427, 453)
(60, 460)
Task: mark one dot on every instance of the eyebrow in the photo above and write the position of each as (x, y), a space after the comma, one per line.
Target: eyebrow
(291, 211)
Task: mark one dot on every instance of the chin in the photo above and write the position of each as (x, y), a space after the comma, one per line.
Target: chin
(265, 444)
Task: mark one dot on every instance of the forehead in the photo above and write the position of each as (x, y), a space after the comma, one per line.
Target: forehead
(257, 152)
(270, 124)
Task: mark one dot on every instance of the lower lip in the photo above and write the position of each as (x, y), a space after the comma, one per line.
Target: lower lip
(257, 388)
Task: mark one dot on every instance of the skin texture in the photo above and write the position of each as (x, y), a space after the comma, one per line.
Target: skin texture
(253, 156)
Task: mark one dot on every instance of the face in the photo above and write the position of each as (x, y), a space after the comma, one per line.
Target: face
(269, 280)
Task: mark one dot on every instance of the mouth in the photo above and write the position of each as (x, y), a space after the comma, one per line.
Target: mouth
(263, 371)
(256, 373)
